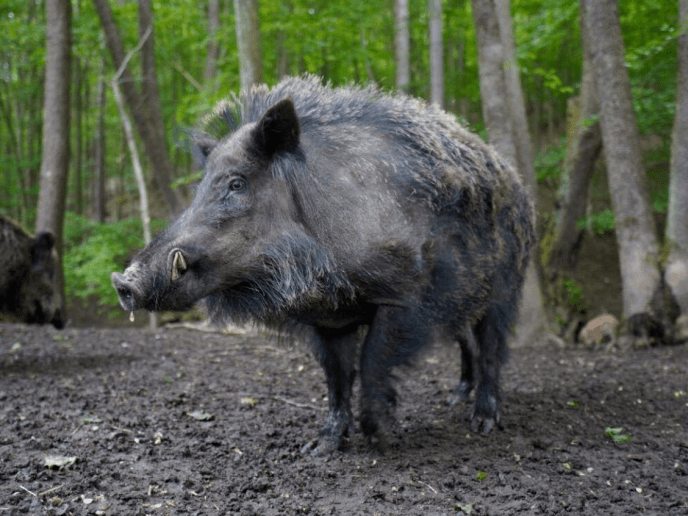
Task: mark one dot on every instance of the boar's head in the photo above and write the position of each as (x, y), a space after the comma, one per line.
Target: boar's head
(240, 246)
(31, 290)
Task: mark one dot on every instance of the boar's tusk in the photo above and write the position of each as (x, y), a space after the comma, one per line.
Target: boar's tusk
(178, 265)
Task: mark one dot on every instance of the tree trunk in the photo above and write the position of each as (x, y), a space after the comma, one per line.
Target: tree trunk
(140, 181)
(248, 41)
(635, 230)
(515, 102)
(55, 159)
(152, 139)
(99, 152)
(78, 144)
(676, 273)
(498, 111)
(401, 44)
(582, 153)
(150, 98)
(436, 55)
(213, 49)
(492, 80)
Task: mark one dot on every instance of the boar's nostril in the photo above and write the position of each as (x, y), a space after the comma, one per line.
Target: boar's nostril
(58, 321)
(117, 280)
(124, 291)
(178, 265)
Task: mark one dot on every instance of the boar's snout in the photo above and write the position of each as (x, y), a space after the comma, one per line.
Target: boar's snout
(58, 320)
(125, 291)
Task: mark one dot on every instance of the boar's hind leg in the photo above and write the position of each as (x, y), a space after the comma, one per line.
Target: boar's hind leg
(395, 336)
(491, 332)
(336, 352)
(469, 355)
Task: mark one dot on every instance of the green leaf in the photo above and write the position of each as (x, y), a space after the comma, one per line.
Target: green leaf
(616, 435)
(58, 461)
(200, 415)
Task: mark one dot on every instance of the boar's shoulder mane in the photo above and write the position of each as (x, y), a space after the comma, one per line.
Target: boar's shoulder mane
(443, 165)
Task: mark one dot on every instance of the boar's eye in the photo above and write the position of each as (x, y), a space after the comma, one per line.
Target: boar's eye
(236, 185)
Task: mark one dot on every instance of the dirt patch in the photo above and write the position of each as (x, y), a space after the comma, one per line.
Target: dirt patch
(183, 422)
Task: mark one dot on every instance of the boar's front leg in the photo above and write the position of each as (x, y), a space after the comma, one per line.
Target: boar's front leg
(336, 352)
(396, 334)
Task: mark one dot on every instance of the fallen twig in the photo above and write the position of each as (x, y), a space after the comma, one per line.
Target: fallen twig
(51, 490)
(428, 485)
(30, 492)
(295, 404)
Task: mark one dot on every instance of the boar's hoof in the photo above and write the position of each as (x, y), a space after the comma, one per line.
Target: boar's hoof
(322, 447)
(461, 393)
(482, 420)
(338, 426)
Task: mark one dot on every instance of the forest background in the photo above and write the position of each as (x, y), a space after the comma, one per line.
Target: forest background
(197, 63)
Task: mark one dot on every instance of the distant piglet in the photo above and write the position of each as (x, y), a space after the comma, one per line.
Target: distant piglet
(322, 210)
(28, 276)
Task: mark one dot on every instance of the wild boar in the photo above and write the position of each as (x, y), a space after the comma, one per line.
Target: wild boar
(327, 209)
(28, 276)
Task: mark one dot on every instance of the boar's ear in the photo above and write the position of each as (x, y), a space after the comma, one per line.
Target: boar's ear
(278, 129)
(41, 249)
(201, 148)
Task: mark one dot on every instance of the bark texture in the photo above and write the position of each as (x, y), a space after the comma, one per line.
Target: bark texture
(436, 54)
(676, 272)
(55, 162)
(213, 49)
(55, 159)
(515, 100)
(492, 80)
(635, 231)
(499, 108)
(248, 41)
(401, 44)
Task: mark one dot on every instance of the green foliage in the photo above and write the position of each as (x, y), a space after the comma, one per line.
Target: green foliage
(574, 293)
(549, 163)
(601, 222)
(92, 251)
(617, 435)
(188, 179)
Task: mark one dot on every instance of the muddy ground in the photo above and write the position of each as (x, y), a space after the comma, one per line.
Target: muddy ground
(131, 422)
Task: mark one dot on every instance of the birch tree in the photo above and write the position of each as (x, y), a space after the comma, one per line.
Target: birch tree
(149, 130)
